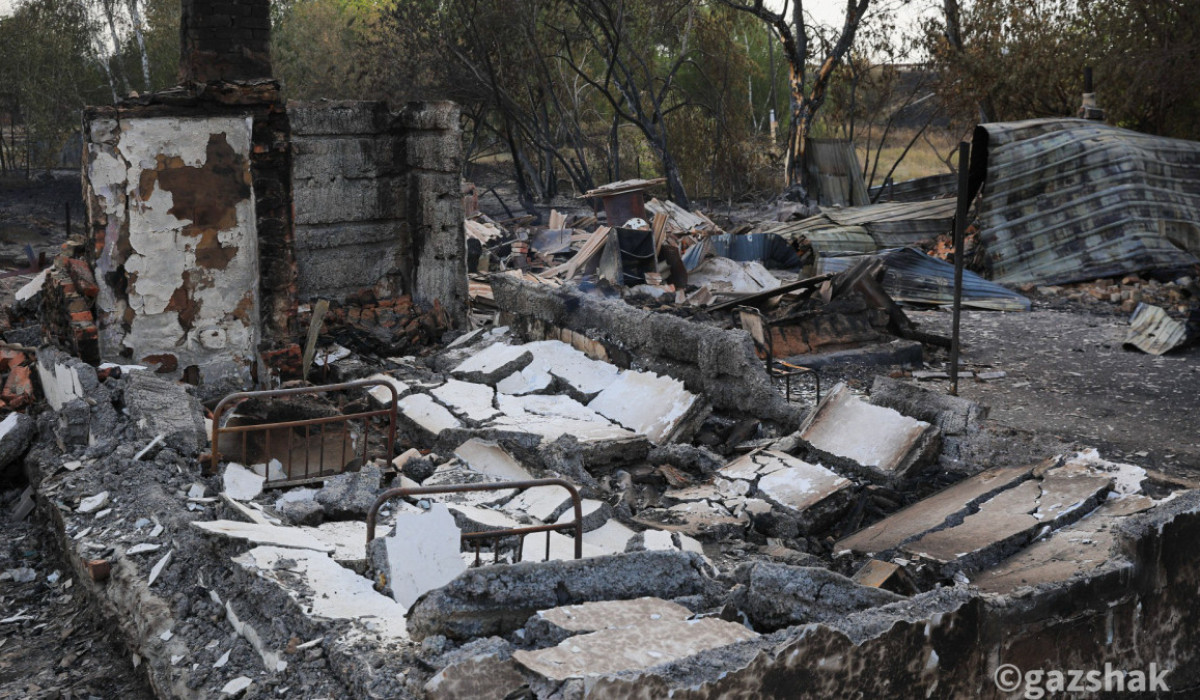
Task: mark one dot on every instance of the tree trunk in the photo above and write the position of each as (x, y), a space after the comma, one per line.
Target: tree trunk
(136, 18)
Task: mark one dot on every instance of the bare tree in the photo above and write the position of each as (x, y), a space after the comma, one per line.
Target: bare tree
(136, 19)
(807, 91)
(637, 88)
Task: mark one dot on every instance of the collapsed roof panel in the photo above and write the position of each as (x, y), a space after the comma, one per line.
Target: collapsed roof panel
(1068, 199)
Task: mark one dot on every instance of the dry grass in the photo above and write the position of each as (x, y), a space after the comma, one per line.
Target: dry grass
(922, 160)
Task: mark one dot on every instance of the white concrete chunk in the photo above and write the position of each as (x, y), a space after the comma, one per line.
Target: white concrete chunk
(491, 459)
(612, 537)
(381, 395)
(491, 360)
(646, 403)
(562, 547)
(539, 502)
(240, 483)
(613, 614)
(631, 648)
(328, 590)
(800, 485)
(257, 533)
(879, 438)
(91, 504)
(347, 538)
(425, 412)
(484, 518)
(525, 382)
(550, 406)
(423, 553)
(583, 374)
(468, 400)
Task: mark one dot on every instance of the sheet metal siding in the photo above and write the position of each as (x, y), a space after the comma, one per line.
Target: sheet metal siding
(1067, 200)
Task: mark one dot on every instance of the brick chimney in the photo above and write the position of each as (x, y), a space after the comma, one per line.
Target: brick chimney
(225, 40)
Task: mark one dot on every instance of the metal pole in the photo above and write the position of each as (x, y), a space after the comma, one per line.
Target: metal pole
(960, 225)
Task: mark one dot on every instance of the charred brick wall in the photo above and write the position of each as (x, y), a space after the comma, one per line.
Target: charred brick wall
(224, 40)
(378, 203)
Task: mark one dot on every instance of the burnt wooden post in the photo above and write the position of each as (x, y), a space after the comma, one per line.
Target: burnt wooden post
(960, 225)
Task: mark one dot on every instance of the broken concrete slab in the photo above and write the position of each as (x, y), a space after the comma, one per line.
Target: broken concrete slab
(525, 382)
(453, 473)
(64, 378)
(883, 444)
(489, 458)
(429, 416)
(583, 376)
(614, 651)
(1075, 551)
(809, 492)
(16, 433)
(1011, 519)
(664, 541)
(327, 590)
(595, 514)
(923, 516)
(381, 395)
(420, 555)
(163, 407)
(549, 627)
(610, 538)
(499, 599)
(656, 406)
(556, 546)
(473, 402)
(260, 534)
(480, 669)
(774, 596)
(542, 503)
(348, 539)
(475, 519)
(351, 495)
(493, 363)
(693, 519)
(240, 483)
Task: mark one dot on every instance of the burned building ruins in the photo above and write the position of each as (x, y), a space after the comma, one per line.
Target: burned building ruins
(304, 422)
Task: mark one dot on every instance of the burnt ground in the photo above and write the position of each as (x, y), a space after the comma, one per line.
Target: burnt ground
(32, 212)
(52, 645)
(1068, 377)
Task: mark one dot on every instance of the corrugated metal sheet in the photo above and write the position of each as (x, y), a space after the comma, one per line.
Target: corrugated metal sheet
(1152, 330)
(918, 190)
(916, 278)
(834, 173)
(767, 248)
(891, 225)
(1067, 200)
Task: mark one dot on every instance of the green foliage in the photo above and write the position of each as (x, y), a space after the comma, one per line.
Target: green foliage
(1022, 59)
(47, 74)
(318, 47)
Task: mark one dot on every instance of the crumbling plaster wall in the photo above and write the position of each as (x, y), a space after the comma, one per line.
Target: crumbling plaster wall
(377, 201)
(173, 216)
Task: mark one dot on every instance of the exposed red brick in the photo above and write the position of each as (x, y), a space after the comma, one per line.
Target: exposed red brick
(81, 275)
(18, 388)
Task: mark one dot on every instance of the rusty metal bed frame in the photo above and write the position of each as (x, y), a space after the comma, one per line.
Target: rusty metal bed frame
(309, 476)
(494, 535)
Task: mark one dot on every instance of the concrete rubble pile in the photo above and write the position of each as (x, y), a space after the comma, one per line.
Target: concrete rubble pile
(573, 476)
(705, 563)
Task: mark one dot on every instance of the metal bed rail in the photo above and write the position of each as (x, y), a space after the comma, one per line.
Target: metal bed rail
(494, 535)
(292, 427)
